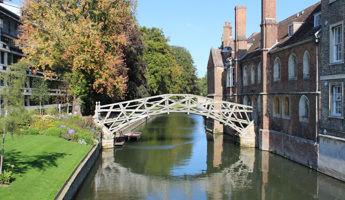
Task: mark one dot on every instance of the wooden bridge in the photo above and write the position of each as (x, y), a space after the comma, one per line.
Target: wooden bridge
(114, 117)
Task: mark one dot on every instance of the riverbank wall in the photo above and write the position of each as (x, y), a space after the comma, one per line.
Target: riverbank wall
(79, 174)
(332, 156)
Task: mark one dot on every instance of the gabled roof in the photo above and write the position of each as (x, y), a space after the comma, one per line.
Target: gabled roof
(217, 57)
(12, 9)
(306, 31)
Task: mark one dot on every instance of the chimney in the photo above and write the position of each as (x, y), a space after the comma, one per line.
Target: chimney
(269, 24)
(240, 31)
(227, 33)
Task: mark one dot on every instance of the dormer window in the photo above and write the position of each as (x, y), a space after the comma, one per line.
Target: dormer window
(317, 19)
(293, 27)
(290, 29)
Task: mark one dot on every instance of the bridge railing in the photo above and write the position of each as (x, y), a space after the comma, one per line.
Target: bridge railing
(118, 115)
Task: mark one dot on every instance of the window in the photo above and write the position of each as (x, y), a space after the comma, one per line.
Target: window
(259, 73)
(290, 31)
(336, 100)
(245, 100)
(336, 41)
(286, 107)
(230, 77)
(293, 67)
(252, 75)
(259, 103)
(276, 107)
(9, 59)
(304, 109)
(276, 70)
(306, 65)
(317, 19)
(245, 76)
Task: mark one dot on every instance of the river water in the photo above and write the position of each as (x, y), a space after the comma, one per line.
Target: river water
(177, 159)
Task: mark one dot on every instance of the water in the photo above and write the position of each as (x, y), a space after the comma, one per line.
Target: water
(176, 159)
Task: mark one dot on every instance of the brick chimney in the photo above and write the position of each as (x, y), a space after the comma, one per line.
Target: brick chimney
(269, 24)
(227, 35)
(240, 31)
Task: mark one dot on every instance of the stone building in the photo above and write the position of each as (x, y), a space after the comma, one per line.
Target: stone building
(275, 71)
(332, 77)
(11, 53)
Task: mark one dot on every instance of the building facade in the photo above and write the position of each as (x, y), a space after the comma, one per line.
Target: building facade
(275, 71)
(11, 53)
(332, 123)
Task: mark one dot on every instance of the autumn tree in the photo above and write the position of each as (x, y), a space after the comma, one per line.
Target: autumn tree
(164, 74)
(82, 39)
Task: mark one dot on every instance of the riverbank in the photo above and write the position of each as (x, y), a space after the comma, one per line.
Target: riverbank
(42, 164)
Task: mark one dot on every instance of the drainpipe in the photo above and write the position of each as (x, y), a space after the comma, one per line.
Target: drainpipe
(317, 84)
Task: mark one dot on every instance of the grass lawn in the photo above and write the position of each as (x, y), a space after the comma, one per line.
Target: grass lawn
(42, 165)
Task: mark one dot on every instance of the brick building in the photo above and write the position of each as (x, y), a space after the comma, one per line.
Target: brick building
(275, 71)
(332, 77)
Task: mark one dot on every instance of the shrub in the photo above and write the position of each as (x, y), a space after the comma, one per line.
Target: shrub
(31, 130)
(7, 175)
(51, 111)
(53, 131)
(65, 136)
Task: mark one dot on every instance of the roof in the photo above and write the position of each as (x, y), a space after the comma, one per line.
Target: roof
(217, 57)
(12, 8)
(306, 31)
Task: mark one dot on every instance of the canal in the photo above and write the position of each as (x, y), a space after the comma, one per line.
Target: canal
(177, 159)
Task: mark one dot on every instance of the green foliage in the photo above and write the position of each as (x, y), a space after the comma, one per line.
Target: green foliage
(7, 175)
(12, 95)
(53, 131)
(164, 74)
(188, 76)
(51, 111)
(202, 84)
(40, 92)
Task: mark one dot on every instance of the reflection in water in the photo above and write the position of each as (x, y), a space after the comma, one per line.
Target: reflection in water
(175, 159)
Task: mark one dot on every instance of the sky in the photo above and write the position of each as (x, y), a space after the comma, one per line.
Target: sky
(197, 25)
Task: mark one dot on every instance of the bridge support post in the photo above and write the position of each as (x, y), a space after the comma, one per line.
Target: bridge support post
(247, 137)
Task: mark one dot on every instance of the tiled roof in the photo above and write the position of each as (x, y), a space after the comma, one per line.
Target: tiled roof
(217, 57)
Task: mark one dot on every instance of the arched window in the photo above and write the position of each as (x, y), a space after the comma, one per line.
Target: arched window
(245, 100)
(306, 65)
(304, 109)
(276, 106)
(292, 66)
(252, 75)
(245, 76)
(286, 107)
(276, 70)
(259, 73)
(259, 103)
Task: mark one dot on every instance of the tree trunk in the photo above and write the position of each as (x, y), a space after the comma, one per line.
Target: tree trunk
(2, 151)
(76, 110)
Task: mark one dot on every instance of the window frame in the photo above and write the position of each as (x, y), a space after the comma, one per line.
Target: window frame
(294, 62)
(306, 54)
(259, 73)
(276, 79)
(332, 45)
(306, 117)
(276, 107)
(331, 100)
(252, 74)
(245, 78)
(286, 107)
(317, 19)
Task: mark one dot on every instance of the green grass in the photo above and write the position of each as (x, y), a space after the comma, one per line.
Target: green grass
(42, 165)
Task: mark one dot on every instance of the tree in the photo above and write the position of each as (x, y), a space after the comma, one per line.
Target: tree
(202, 84)
(164, 74)
(188, 76)
(40, 92)
(85, 38)
(12, 94)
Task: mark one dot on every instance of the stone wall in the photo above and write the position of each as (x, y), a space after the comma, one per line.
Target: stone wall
(332, 156)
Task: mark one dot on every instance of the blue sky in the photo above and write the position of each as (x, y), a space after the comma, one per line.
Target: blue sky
(197, 25)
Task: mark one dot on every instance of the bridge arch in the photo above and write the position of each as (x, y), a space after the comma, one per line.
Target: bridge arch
(114, 117)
